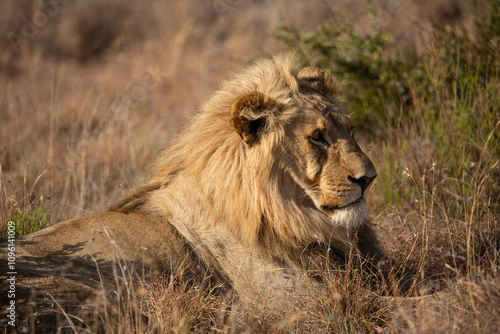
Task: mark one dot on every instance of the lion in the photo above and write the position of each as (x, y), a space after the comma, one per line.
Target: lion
(264, 178)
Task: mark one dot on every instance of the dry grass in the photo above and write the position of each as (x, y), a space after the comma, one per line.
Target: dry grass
(89, 96)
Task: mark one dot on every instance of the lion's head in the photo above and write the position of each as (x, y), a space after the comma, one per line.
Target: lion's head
(271, 157)
(316, 149)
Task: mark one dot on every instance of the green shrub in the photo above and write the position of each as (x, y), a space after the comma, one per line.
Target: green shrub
(372, 76)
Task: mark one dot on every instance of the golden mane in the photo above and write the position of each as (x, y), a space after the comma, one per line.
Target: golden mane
(244, 189)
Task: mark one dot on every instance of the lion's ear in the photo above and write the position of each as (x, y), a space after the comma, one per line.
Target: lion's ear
(319, 81)
(251, 115)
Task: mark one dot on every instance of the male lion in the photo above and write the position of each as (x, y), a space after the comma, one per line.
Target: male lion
(265, 178)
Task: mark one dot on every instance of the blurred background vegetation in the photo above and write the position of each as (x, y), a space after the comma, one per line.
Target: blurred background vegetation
(90, 91)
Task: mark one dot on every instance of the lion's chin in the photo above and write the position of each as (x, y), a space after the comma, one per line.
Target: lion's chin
(349, 216)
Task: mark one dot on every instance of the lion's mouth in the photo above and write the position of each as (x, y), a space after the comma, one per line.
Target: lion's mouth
(332, 209)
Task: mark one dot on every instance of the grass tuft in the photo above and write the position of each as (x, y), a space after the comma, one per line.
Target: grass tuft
(27, 222)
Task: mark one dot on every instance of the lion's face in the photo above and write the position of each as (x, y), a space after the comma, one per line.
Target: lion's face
(327, 162)
(318, 152)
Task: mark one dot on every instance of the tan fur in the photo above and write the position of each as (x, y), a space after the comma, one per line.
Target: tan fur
(266, 172)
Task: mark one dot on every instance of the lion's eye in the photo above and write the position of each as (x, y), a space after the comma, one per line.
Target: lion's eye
(318, 139)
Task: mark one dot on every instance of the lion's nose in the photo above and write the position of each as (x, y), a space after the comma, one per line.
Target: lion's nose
(363, 182)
